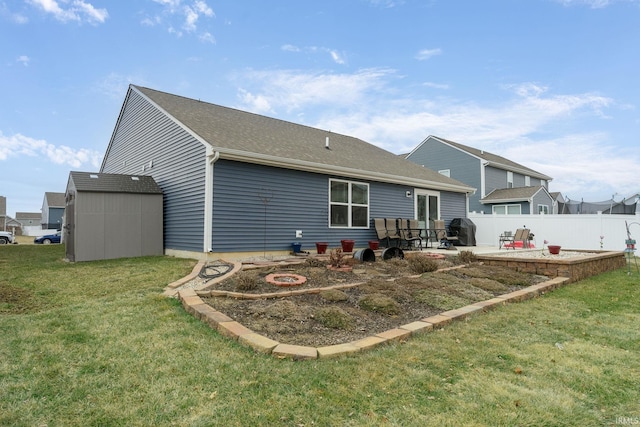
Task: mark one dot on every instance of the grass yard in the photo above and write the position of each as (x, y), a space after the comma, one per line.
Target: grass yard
(95, 344)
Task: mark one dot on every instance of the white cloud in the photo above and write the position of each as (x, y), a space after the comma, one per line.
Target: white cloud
(425, 54)
(181, 16)
(530, 124)
(337, 57)
(292, 90)
(76, 10)
(24, 60)
(19, 145)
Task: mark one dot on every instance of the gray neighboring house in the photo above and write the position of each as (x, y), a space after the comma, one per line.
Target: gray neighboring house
(504, 186)
(52, 211)
(238, 182)
(112, 216)
(29, 219)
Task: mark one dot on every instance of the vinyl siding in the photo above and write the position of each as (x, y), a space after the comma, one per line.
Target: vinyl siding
(144, 135)
(298, 201)
(435, 155)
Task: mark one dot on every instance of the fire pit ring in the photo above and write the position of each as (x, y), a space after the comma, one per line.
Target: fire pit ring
(285, 279)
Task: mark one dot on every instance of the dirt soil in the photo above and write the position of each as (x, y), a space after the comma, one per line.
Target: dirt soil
(389, 294)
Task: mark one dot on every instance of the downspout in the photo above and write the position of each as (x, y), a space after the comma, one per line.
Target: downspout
(211, 158)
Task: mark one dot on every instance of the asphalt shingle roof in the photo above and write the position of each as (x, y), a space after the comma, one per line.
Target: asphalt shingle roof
(55, 200)
(518, 193)
(243, 136)
(496, 160)
(114, 183)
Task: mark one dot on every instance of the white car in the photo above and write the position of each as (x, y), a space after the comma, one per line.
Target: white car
(6, 237)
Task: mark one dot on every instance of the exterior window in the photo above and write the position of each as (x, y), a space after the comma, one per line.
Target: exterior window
(527, 181)
(506, 209)
(445, 172)
(509, 179)
(543, 209)
(348, 204)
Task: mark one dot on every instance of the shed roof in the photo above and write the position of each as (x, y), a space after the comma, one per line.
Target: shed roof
(113, 183)
(248, 137)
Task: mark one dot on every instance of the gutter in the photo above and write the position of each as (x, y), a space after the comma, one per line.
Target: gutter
(211, 158)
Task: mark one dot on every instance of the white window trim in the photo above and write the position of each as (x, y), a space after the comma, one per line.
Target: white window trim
(445, 172)
(546, 207)
(509, 179)
(349, 204)
(527, 181)
(506, 209)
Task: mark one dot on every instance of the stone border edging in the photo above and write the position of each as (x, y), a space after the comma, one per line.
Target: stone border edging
(226, 326)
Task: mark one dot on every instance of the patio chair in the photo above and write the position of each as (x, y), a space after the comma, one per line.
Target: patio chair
(522, 235)
(392, 231)
(444, 236)
(506, 239)
(381, 231)
(410, 232)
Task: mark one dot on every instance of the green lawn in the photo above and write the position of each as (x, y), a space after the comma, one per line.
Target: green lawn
(96, 344)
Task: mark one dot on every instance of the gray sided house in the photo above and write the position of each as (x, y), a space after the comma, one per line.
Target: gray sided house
(52, 211)
(112, 216)
(236, 182)
(488, 173)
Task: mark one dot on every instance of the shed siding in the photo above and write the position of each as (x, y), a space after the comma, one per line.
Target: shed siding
(145, 135)
(298, 201)
(112, 225)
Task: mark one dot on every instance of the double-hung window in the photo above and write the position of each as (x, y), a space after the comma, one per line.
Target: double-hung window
(348, 204)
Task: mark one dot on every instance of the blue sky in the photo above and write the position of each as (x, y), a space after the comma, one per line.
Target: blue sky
(551, 84)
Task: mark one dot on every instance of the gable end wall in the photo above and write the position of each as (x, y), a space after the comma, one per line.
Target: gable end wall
(147, 142)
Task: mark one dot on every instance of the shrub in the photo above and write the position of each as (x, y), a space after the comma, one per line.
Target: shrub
(247, 281)
(422, 264)
(467, 257)
(334, 317)
(379, 303)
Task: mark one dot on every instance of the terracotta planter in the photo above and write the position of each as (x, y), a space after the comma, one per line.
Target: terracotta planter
(554, 250)
(321, 247)
(347, 245)
(373, 245)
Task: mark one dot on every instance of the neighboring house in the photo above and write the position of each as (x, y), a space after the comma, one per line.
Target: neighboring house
(235, 181)
(112, 216)
(30, 222)
(520, 200)
(29, 219)
(52, 211)
(558, 201)
(487, 172)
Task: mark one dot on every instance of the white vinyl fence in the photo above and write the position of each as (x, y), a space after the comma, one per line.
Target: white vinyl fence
(568, 231)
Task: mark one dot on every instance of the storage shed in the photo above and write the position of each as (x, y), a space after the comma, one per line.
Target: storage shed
(112, 216)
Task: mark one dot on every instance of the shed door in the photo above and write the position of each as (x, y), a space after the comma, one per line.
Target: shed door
(69, 232)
